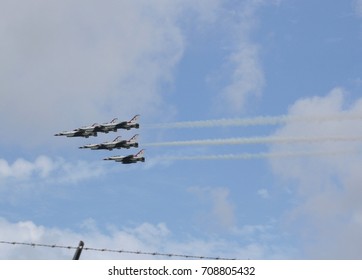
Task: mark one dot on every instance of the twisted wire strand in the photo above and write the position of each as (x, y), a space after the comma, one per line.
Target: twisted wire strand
(113, 250)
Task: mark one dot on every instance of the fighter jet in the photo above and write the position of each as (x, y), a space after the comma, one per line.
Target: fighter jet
(114, 124)
(115, 144)
(85, 131)
(128, 159)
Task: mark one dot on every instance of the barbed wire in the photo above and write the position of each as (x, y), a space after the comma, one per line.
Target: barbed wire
(113, 250)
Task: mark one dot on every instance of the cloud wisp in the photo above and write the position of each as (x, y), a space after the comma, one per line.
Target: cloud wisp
(247, 79)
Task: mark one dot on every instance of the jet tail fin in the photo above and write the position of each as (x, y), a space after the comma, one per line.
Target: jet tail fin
(140, 153)
(134, 138)
(135, 118)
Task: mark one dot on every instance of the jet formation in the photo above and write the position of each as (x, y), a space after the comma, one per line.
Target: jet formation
(117, 143)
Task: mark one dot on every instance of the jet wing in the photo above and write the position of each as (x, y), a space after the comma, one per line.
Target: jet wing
(115, 158)
(126, 158)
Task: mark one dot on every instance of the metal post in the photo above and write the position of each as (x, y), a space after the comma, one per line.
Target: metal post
(78, 251)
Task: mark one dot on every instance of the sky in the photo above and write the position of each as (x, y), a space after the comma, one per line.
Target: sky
(250, 118)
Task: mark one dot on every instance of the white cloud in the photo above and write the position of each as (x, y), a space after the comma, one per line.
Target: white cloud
(66, 63)
(27, 231)
(22, 168)
(327, 188)
(47, 170)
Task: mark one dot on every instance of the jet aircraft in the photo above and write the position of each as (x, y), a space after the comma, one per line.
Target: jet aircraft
(115, 144)
(114, 124)
(85, 131)
(128, 159)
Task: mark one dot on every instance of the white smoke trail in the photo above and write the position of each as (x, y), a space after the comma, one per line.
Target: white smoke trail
(247, 156)
(261, 120)
(256, 140)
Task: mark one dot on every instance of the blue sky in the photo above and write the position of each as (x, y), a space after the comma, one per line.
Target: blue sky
(66, 64)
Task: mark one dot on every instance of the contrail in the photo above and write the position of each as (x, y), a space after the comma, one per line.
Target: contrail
(261, 120)
(256, 140)
(247, 156)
